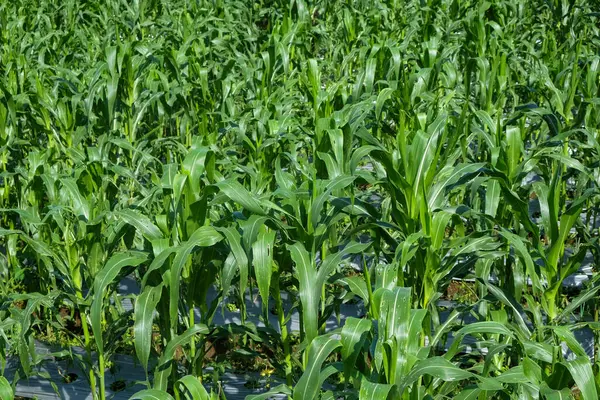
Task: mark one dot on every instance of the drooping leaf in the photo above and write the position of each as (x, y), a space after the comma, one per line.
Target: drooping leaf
(104, 278)
(308, 386)
(151, 394)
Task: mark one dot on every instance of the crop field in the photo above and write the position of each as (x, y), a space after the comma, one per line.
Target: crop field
(316, 199)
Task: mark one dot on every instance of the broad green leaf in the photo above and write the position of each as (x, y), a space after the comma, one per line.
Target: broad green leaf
(335, 184)
(332, 261)
(516, 308)
(468, 394)
(357, 286)
(262, 258)
(437, 192)
(6, 391)
(513, 375)
(358, 155)
(204, 236)
(308, 386)
(437, 367)
(194, 389)
(492, 197)
(141, 222)
(234, 240)
(581, 371)
(552, 394)
(194, 165)
(104, 278)
(489, 327)
(583, 297)
(281, 389)
(374, 391)
(307, 277)
(514, 145)
(145, 306)
(353, 337)
(151, 394)
(250, 230)
(241, 195)
(81, 206)
(382, 97)
(158, 262)
(438, 228)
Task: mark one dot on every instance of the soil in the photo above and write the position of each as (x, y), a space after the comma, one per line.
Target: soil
(118, 386)
(70, 377)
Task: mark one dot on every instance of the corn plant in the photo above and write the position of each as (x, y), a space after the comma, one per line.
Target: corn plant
(432, 165)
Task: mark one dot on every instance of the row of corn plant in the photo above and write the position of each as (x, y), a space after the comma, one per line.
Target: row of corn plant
(302, 157)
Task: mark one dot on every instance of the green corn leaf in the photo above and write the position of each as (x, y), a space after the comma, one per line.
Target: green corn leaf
(145, 306)
(516, 308)
(424, 151)
(241, 260)
(439, 368)
(262, 255)
(328, 395)
(158, 262)
(193, 388)
(104, 278)
(581, 371)
(552, 394)
(336, 184)
(151, 394)
(141, 222)
(537, 350)
(328, 371)
(439, 222)
(81, 207)
(583, 298)
(521, 249)
(374, 391)
(6, 232)
(333, 260)
(6, 391)
(489, 327)
(308, 386)
(382, 97)
(358, 155)
(395, 311)
(567, 220)
(236, 192)
(357, 285)
(353, 337)
(437, 192)
(34, 301)
(468, 394)
(492, 197)
(194, 166)
(204, 236)
(281, 389)
(164, 366)
(567, 336)
(250, 230)
(514, 149)
(307, 277)
(513, 375)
